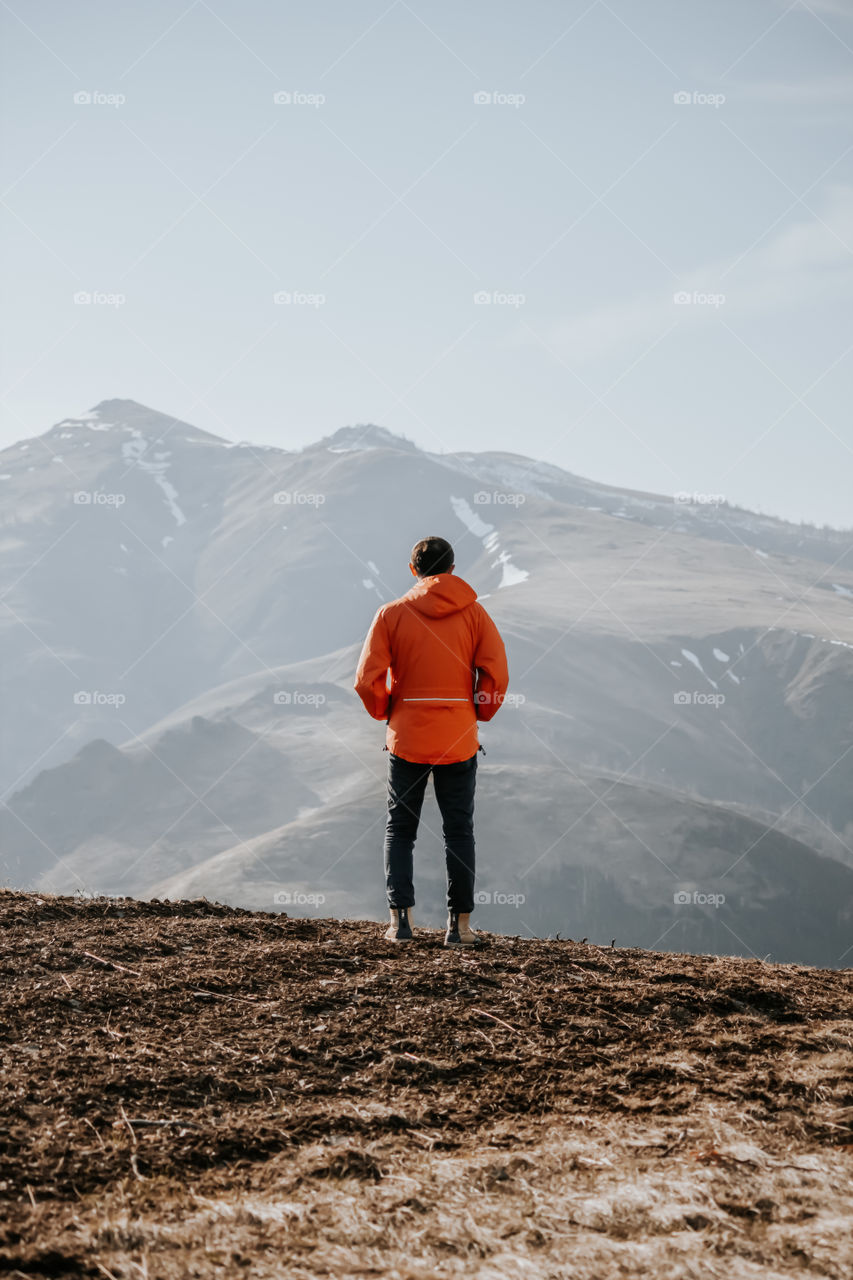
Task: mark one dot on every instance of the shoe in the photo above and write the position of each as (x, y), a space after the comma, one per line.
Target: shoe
(459, 931)
(400, 928)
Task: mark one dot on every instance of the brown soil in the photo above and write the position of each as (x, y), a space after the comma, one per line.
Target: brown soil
(192, 1090)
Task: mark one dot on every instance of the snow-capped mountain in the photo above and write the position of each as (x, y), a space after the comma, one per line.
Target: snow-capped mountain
(162, 588)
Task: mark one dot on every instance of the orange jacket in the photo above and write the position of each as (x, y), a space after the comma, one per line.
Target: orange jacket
(447, 666)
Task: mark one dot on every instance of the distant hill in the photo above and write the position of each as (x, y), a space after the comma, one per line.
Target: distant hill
(183, 619)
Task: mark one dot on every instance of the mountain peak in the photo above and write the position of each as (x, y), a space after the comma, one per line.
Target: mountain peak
(366, 435)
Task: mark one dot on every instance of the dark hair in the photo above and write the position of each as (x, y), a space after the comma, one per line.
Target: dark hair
(431, 556)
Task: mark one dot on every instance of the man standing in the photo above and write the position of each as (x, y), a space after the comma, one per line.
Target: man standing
(433, 664)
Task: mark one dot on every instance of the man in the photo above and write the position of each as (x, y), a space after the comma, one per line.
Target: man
(433, 664)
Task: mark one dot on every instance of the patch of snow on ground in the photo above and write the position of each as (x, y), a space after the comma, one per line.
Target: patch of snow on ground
(374, 568)
(133, 451)
(763, 554)
(674, 663)
(732, 676)
(720, 656)
(511, 575)
(842, 591)
(65, 435)
(164, 542)
(487, 533)
(6, 476)
(691, 657)
(470, 519)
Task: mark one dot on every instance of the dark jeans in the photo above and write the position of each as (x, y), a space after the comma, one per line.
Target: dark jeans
(454, 791)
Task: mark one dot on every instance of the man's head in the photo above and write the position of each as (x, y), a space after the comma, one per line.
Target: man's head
(431, 556)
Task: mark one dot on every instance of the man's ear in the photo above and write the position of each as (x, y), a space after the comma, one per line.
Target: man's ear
(413, 569)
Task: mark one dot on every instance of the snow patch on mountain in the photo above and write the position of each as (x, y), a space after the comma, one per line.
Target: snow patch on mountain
(133, 451)
(691, 657)
(470, 519)
(488, 535)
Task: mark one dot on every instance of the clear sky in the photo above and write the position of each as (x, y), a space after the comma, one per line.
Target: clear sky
(580, 198)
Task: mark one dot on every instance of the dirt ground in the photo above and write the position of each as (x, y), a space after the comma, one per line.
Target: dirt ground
(195, 1091)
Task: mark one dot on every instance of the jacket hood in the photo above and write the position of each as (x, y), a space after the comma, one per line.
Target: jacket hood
(441, 594)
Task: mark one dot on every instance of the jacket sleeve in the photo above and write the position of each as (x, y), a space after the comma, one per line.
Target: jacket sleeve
(492, 676)
(371, 675)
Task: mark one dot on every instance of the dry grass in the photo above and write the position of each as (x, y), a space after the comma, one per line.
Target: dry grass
(195, 1091)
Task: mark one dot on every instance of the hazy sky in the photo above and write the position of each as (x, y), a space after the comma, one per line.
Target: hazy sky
(581, 199)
